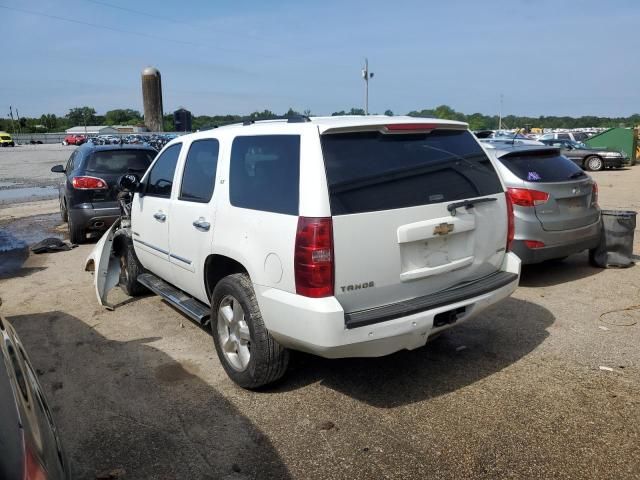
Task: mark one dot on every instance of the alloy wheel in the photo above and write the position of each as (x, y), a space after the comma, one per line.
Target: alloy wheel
(233, 333)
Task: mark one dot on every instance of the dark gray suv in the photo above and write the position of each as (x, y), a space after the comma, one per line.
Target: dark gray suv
(88, 193)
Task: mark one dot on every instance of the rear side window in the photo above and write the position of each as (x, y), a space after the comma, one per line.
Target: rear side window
(119, 161)
(372, 171)
(160, 178)
(265, 173)
(542, 167)
(200, 171)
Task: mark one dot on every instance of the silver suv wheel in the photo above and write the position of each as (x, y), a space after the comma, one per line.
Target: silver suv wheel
(234, 334)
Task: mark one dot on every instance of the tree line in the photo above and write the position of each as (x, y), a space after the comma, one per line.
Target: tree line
(79, 116)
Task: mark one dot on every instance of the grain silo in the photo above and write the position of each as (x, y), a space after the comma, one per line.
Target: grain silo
(152, 99)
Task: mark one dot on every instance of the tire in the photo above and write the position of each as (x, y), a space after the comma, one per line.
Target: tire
(130, 268)
(63, 212)
(76, 232)
(593, 163)
(236, 322)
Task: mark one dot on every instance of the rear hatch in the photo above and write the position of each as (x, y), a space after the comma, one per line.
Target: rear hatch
(394, 237)
(570, 202)
(110, 165)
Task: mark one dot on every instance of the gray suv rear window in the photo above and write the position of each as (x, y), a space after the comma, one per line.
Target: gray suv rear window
(542, 167)
(372, 171)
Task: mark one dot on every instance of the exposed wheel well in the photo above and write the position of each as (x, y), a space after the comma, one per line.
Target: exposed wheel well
(217, 267)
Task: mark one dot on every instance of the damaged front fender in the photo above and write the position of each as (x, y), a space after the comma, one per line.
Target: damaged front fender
(105, 264)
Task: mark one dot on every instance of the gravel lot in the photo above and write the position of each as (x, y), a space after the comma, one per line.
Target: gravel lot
(519, 392)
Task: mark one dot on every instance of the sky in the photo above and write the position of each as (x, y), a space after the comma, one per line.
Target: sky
(546, 57)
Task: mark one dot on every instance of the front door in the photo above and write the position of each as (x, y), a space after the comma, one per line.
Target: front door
(192, 217)
(150, 211)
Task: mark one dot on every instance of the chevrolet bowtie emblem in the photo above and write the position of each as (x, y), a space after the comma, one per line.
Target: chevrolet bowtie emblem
(443, 229)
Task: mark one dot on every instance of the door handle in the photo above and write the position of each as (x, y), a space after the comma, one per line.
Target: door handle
(202, 225)
(161, 217)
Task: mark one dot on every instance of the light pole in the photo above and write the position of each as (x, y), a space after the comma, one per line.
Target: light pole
(500, 115)
(366, 76)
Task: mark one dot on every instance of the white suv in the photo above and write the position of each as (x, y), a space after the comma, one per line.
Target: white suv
(339, 236)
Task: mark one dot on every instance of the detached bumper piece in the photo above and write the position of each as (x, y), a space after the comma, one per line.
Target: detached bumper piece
(193, 308)
(435, 300)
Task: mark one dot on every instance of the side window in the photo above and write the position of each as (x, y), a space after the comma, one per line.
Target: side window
(70, 167)
(564, 136)
(200, 171)
(160, 179)
(265, 173)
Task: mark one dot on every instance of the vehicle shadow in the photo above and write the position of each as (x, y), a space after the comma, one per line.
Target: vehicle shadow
(462, 356)
(551, 273)
(127, 409)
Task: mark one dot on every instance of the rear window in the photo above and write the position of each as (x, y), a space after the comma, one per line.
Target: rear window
(5, 137)
(120, 161)
(265, 173)
(372, 171)
(543, 167)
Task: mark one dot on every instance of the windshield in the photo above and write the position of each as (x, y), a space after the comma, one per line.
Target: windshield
(542, 167)
(372, 171)
(120, 161)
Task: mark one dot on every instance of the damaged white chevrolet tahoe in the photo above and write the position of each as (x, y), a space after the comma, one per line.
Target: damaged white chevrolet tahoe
(339, 236)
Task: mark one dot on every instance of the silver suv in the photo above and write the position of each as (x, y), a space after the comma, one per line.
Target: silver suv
(555, 203)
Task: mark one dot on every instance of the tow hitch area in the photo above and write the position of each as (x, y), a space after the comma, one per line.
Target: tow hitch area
(448, 317)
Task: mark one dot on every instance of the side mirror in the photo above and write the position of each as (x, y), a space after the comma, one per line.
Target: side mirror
(129, 183)
(57, 169)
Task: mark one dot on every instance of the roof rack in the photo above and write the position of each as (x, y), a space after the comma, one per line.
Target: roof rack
(288, 118)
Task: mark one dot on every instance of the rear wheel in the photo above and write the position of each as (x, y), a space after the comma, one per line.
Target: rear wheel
(593, 163)
(76, 232)
(248, 353)
(130, 268)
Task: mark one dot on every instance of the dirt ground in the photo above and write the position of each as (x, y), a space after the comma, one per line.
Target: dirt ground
(543, 385)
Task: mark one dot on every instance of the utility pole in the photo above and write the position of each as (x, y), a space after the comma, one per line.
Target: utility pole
(500, 114)
(13, 127)
(366, 76)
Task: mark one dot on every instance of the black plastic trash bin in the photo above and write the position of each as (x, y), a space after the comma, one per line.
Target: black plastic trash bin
(616, 244)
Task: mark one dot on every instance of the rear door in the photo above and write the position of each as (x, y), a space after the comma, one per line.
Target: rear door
(150, 214)
(394, 237)
(193, 216)
(570, 202)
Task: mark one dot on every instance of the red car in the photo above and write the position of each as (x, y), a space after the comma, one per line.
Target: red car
(74, 140)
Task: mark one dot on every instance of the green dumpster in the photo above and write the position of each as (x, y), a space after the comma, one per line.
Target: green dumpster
(621, 139)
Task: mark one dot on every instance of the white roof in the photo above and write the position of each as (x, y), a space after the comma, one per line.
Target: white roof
(91, 129)
(351, 121)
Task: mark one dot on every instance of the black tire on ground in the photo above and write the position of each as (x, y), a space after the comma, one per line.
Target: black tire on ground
(130, 268)
(76, 232)
(592, 258)
(593, 163)
(268, 360)
(63, 211)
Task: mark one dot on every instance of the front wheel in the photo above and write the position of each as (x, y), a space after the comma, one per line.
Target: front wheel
(248, 353)
(130, 268)
(594, 163)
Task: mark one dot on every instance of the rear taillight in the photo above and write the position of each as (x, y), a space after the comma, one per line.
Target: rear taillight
(88, 183)
(313, 257)
(511, 223)
(594, 194)
(33, 470)
(523, 197)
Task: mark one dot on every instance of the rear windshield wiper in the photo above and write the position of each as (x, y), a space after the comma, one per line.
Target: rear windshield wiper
(576, 175)
(452, 207)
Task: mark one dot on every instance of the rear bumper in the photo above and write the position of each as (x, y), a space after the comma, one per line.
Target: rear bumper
(559, 244)
(319, 326)
(92, 218)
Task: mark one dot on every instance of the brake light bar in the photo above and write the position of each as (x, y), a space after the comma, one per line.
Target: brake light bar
(88, 183)
(525, 197)
(419, 127)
